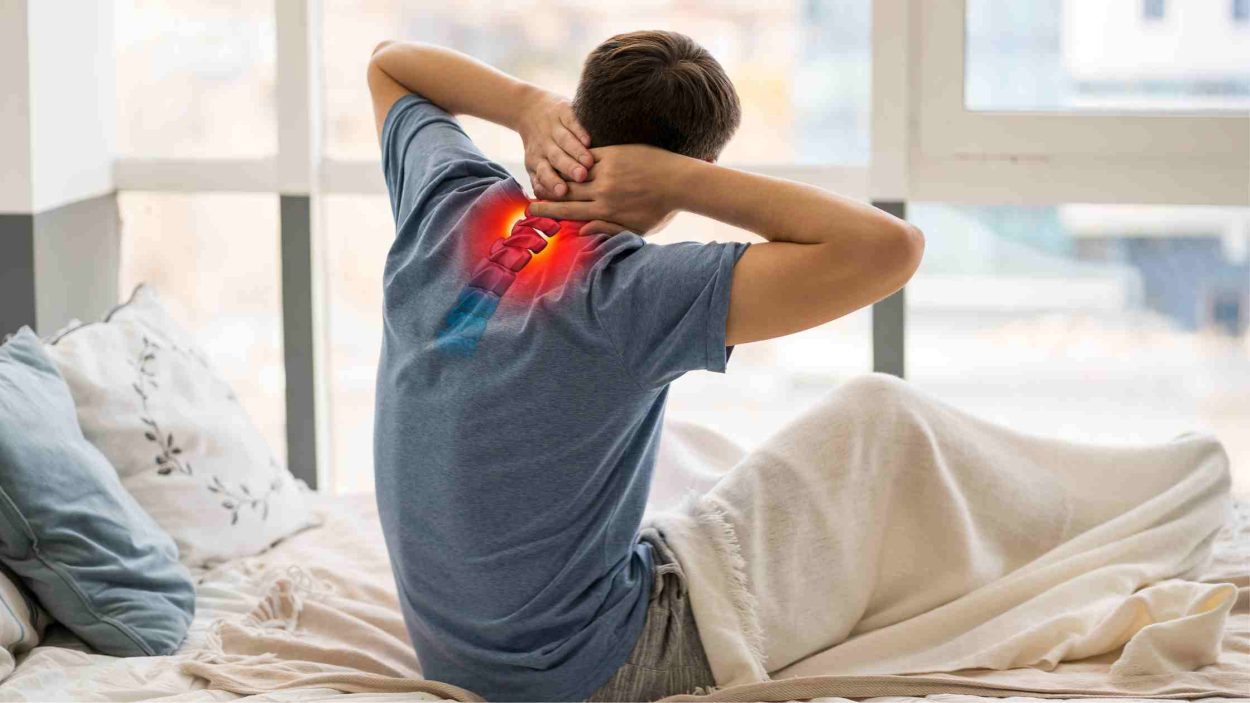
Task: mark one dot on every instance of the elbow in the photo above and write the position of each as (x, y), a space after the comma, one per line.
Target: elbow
(913, 247)
(375, 58)
(381, 45)
(906, 251)
(374, 71)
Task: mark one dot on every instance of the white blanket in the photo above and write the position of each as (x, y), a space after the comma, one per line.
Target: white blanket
(884, 532)
(348, 552)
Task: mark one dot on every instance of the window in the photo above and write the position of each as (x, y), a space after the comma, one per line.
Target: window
(1051, 101)
(1105, 321)
(802, 68)
(768, 383)
(1069, 55)
(195, 78)
(359, 230)
(213, 259)
(1108, 323)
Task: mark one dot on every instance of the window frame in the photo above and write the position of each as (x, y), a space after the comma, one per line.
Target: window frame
(963, 155)
(925, 145)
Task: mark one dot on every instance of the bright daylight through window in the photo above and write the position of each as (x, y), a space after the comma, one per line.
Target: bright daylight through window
(1019, 312)
(802, 70)
(205, 90)
(234, 308)
(1115, 322)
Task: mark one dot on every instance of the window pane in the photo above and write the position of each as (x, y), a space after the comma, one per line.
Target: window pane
(1104, 322)
(767, 382)
(213, 259)
(801, 68)
(358, 230)
(195, 78)
(1106, 55)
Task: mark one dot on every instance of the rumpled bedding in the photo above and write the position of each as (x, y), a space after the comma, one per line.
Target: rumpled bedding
(316, 618)
(884, 532)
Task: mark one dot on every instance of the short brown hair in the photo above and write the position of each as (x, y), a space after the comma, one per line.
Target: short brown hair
(658, 88)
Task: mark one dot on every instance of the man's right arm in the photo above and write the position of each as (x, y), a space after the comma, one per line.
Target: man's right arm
(826, 255)
(555, 143)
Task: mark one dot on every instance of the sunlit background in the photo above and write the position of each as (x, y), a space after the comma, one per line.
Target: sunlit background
(1113, 323)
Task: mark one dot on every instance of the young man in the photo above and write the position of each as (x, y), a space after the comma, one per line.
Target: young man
(522, 382)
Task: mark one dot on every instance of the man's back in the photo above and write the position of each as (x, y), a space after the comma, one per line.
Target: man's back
(513, 471)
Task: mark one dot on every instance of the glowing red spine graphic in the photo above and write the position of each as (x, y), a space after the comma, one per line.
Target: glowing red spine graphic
(467, 320)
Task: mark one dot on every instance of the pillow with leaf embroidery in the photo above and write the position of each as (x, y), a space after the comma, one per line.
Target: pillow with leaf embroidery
(184, 447)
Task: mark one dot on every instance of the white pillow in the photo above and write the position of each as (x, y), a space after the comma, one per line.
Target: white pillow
(149, 400)
(21, 622)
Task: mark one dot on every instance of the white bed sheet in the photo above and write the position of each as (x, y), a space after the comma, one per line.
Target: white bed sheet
(63, 669)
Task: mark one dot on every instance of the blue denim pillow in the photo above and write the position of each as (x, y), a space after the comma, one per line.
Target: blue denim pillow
(95, 560)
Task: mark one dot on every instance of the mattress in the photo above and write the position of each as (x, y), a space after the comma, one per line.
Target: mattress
(346, 548)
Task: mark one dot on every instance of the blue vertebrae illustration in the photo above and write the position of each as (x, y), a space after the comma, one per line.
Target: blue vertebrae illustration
(466, 322)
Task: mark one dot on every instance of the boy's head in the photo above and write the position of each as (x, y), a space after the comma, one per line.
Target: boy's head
(658, 88)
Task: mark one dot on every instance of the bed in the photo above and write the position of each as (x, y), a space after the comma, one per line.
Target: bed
(315, 618)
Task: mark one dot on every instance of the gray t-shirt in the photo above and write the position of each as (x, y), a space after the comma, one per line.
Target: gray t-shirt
(518, 417)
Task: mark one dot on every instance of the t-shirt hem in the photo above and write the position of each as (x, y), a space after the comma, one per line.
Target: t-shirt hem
(622, 657)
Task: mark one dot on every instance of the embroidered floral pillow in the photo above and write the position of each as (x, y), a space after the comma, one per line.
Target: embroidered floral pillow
(185, 449)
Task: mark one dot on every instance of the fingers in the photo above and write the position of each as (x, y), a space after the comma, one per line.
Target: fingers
(539, 191)
(600, 227)
(562, 211)
(568, 141)
(579, 191)
(566, 165)
(570, 122)
(549, 180)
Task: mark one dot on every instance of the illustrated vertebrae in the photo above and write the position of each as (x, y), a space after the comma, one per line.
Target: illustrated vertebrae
(467, 320)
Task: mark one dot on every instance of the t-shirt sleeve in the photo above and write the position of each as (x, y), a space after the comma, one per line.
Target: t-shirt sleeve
(426, 153)
(663, 307)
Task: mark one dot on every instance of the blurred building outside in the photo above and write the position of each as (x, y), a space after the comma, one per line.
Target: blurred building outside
(1104, 322)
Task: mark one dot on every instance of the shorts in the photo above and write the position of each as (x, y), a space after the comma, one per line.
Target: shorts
(668, 657)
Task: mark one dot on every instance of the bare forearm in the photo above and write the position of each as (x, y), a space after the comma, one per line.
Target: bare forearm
(455, 82)
(556, 146)
(827, 255)
(777, 209)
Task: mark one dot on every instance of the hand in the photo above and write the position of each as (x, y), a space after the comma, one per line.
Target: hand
(631, 187)
(556, 146)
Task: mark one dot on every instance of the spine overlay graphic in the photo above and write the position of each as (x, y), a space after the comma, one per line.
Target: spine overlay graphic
(466, 322)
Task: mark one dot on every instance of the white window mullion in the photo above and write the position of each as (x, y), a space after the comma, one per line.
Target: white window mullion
(892, 54)
(303, 307)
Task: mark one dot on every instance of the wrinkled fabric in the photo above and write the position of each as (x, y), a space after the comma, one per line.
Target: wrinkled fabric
(69, 530)
(668, 657)
(516, 427)
(884, 532)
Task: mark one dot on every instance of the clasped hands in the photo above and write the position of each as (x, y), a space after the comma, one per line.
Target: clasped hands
(611, 189)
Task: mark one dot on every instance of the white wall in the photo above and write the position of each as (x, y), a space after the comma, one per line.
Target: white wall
(14, 110)
(72, 100)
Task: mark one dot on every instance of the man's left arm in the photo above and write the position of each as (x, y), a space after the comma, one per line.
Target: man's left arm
(556, 146)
